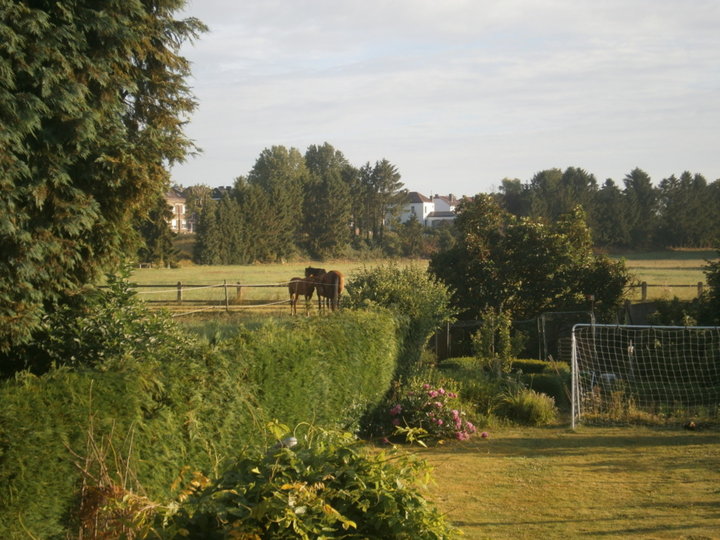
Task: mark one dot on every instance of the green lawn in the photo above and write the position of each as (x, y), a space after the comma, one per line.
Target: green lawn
(629, 482)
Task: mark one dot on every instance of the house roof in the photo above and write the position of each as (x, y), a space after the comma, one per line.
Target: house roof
(174, 194)
(442, 215)
(414, 197)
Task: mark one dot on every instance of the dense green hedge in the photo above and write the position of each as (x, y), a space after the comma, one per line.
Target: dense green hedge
(191, 410)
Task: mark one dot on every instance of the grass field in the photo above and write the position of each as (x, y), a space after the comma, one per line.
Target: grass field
(594, 482)
(668, 274)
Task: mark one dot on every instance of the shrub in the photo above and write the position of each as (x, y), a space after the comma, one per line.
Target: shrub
(327, 485)
(428, 411)
(419, 302)
(528, 407)
(325, 370)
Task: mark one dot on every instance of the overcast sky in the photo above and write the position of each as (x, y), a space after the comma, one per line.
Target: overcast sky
(459, 94)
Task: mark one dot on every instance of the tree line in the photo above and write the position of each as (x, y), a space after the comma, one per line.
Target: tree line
(319, 205)
(679, 212)
(315, 204)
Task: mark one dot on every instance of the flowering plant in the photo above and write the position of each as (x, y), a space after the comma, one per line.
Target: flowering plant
(434, 410)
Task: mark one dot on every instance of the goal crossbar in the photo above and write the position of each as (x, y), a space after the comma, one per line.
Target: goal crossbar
(656, 370)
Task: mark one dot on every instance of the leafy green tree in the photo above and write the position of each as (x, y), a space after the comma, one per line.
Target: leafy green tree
(521, 266)
(554, 192)
(93, 100)
(411, 235)
(710, 310)
(208, 241)
(515, 197)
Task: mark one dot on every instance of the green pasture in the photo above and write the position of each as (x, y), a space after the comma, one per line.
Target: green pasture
(668, 273)
(619, 482)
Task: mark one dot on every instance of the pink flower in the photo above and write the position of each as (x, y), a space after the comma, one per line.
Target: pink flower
(470, 427)
(441, 391)
(438, 404)
(433, 393)
(452, 394)
(462, 436)
(439, 422)
(397, 409)
(455, 413)
(426, 386)
(396, 421)
(484, 434)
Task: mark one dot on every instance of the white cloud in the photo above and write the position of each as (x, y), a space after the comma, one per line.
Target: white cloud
(461, 93)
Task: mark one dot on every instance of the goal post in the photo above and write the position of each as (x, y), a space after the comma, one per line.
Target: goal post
(625, 372)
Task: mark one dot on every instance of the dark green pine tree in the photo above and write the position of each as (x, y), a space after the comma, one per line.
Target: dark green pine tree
(611, 227)
(157, 236)
(208, 239)
(327, 204)
(93, 100)
(642, 208)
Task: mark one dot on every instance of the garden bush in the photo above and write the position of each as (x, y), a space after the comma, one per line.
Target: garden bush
(184, 404)
(419, 302)
(327, 371)
(327, 485)
(528, 407)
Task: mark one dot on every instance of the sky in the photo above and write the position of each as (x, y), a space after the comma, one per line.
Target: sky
(458, 94)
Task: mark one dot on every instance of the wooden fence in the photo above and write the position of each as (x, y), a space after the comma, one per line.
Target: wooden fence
(643, 286)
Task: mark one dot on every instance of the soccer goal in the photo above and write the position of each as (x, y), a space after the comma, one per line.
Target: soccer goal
(625, 373)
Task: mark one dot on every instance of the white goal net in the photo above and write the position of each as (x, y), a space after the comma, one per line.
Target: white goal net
(625, 373)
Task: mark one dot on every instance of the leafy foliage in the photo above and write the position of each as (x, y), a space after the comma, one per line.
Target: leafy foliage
(326, 486)
(528, 407)
(103, 323)
(523, 266)
(418, 301)
(92, 102)
(435, 411)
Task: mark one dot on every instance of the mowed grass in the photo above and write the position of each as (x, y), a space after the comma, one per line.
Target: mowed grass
(668, 273)
(629, 482)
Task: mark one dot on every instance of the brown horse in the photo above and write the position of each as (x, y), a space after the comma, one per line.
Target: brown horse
(330, 289)
(298, 286)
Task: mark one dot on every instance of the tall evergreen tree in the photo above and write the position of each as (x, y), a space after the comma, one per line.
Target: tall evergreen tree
(93, 100)
(611, 227)
(642, 208)
(686, 217)
(282, 175)
(328, 218)
(157, 236)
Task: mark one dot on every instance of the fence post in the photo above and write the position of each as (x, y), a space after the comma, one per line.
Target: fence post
(700, 288)
(238, 293)
(643, 291)
(227, 299)
(179, 292)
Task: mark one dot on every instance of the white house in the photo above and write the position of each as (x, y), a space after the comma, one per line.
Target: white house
(180, 222)
(429, 212)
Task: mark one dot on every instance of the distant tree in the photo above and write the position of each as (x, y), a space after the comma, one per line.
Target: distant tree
(710, 309)
(611, 226)
(641, 208)
(554, 192)
(196, 197)
(327, 202)
(281, 173)
(157, 236)
(515, 197)
(411, 235)
(687, 216)
(208, 241)
(93, 100)
(523, 266)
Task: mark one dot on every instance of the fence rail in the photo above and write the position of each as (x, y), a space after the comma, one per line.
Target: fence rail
(230, 297)
(644, 285)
